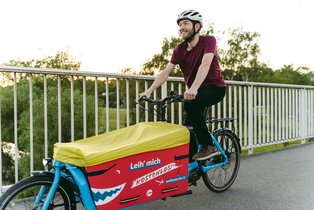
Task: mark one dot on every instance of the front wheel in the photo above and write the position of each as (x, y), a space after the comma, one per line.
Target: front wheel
(221, 178)
(31, 193)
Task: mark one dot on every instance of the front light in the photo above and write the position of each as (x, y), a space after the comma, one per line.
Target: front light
(47, 161)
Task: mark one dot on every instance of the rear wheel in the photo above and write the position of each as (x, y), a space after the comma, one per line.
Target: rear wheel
(23, 194)
(221, 178)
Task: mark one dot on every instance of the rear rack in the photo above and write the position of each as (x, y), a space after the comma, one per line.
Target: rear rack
(215, 123)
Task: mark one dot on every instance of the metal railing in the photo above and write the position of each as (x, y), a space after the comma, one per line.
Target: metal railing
(266, 113)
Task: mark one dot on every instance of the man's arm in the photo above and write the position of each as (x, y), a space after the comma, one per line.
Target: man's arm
(161, 78)
(202, 72)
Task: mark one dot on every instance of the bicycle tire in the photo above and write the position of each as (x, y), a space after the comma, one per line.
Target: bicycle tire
(22, 195)
(221, 178)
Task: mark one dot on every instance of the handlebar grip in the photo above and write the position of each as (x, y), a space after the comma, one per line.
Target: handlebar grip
(141, 98)
(144, 98)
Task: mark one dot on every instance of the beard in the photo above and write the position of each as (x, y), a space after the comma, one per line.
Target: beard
(186, 34)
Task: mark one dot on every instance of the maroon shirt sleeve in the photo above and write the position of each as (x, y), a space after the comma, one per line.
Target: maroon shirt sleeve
(174, 57)
(210, 46)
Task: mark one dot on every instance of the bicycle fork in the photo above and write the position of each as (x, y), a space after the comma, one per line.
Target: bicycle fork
(51, 192)
(79, 179)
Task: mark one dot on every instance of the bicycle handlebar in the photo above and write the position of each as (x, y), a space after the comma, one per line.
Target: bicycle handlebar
(173, 97)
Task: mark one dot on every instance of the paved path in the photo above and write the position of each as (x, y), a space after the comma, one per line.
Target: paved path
(278, 180)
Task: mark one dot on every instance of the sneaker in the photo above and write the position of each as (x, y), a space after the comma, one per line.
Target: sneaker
(205, 153)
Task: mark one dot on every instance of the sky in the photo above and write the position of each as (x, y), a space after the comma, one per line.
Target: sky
(107, 36)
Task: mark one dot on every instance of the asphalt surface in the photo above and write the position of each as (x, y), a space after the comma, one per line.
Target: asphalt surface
(282, 179)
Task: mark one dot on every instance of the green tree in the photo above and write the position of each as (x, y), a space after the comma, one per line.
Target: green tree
(290, 75)
(127, 71)
(256, 73)
(241, 55)
(7, 164)
(310, 77)
(52, 124)
(159, 61)
(62, 60)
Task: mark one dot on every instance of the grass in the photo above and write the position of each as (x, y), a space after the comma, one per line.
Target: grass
(275, 147)
(112, 119)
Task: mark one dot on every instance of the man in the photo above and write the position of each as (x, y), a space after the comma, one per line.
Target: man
(198, 60)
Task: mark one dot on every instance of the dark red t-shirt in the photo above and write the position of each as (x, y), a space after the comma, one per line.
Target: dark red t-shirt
(189, 61)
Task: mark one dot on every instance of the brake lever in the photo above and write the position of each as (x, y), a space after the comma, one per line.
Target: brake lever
(141, 98)
(178, 98)
(137, 101)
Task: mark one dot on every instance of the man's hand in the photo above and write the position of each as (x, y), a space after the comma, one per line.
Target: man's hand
(190, 94)
(147, 93)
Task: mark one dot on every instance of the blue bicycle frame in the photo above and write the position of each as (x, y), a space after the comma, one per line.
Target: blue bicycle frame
(195, 165)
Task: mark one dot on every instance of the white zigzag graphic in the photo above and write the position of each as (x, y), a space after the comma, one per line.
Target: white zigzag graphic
(107, 199)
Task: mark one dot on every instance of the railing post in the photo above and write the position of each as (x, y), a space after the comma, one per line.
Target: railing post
(46, 118)
(164, 90)
(137, 106)
(96, 106)
(164, 94)
(31, 125)
(303, 110)
(107, 105)
(127, 84)
(15, 128)
(59, 110)
(84, 108)
(250, 119)
(72, 108)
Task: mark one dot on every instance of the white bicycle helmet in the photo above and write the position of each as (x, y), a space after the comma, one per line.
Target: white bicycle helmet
(191, 15)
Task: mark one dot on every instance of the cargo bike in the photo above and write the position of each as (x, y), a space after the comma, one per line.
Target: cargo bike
(128, 167)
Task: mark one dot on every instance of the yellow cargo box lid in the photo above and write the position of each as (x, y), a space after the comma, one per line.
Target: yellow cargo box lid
(139, 138)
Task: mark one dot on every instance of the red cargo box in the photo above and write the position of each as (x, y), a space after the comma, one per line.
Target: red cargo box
(132, 165)
(139, 178)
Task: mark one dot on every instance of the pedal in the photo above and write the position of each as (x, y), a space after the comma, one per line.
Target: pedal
(195, 175)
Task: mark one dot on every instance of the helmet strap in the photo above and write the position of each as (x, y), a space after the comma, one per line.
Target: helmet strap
(190, 38)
